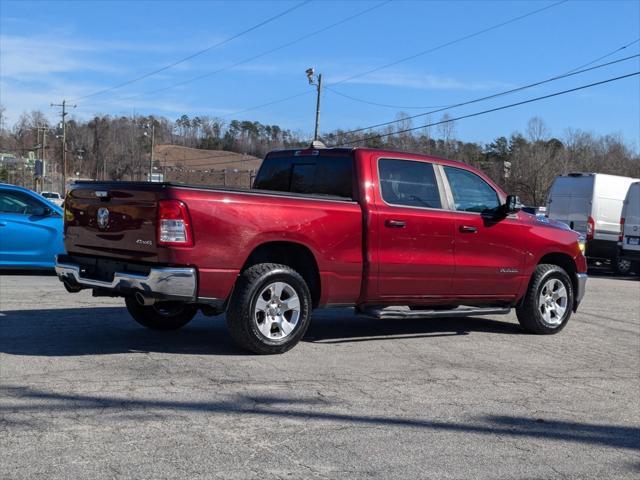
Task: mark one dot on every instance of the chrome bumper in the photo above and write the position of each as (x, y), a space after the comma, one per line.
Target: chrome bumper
(582, 286)
(169, 283)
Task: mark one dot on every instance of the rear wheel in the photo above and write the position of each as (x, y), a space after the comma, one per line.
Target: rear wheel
(270, 310)
(622, 266)
(548, 303)
(161, 315)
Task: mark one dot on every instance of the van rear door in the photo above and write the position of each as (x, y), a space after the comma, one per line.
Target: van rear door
(631, 215)
(570, 200)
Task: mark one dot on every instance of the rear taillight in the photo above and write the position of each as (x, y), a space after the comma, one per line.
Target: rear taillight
(621, 236)
(590, 228)
(174, 224)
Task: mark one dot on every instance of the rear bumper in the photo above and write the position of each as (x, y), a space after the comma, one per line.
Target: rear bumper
(165, 283)
(601, 249)
(633, 255)
(581, 283)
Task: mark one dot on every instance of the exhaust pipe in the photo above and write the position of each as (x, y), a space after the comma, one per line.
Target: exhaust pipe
(70, 287)
(146, 301)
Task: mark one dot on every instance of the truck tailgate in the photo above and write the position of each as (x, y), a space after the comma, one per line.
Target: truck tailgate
(114, 219)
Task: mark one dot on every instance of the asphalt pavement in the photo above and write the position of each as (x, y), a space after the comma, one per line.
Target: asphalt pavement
(88, 393)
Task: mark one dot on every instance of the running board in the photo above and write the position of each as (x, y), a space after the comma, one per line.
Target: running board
(389, 313)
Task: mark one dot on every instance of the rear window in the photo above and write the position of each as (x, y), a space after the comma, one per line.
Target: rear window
(318, 175)
(51, 195)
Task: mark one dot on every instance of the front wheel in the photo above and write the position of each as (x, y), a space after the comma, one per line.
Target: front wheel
(548, 303)
(161, 315)
(270, 309)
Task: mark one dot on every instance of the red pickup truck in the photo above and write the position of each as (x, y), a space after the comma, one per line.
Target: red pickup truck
(393, 234)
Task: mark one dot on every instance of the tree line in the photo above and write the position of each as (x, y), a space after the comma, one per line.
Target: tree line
(118, 147)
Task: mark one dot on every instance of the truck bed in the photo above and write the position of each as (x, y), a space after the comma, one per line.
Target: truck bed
(227, 223)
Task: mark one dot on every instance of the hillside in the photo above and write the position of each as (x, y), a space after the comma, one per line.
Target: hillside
(178, 157)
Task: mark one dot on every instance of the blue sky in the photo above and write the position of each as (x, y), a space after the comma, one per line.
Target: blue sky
(52, 50)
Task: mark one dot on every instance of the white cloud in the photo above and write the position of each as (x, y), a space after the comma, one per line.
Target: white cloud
(33, 58)
(423, 81)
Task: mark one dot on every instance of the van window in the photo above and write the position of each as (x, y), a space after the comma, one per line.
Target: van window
(470, 192)
(318, 175)
(408, 183)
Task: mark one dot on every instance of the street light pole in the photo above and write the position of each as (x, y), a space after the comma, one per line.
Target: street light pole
(153, 134)
(317, 81)
(146, 126)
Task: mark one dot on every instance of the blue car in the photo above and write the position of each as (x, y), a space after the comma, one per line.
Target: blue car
(31, 232)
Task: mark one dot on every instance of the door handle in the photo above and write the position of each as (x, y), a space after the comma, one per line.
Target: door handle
(468, 229)
(394, 224)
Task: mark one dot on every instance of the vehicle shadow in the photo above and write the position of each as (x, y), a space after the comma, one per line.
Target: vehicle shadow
(107, 330)
(32, 272)
(32, 400)
(342, 326)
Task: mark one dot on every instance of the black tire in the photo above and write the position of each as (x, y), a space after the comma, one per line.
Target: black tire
(241, 310)
(162, 315)
(529, 311)
(622, 266)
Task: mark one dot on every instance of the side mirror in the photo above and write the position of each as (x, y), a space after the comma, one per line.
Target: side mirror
(512, 205)
(41, 212)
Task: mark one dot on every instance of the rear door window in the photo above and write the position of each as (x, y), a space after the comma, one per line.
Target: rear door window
(408, 183)
(470, 192)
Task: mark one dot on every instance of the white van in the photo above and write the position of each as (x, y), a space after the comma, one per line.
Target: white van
(591, 203)
(630, 232)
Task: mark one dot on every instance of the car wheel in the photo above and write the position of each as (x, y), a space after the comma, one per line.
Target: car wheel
(622, 266)
(548, 303)
(161, 315)
(270, 309)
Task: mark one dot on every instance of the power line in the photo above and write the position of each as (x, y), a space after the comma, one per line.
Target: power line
(606, 55)
(503, 107)
(411, 57)
(274, 102)
(495, 95)
(200, 52)
(405, 107)
(260, 55)
(451, 42)
(386, 105)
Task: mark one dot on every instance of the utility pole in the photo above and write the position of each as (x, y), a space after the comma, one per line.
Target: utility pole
(64, 114)
(317, 81)
(41, 145)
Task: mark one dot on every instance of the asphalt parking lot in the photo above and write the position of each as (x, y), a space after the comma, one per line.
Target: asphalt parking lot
(87, 393)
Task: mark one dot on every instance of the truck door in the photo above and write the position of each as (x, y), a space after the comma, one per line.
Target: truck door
(412, 233)
(489, 253)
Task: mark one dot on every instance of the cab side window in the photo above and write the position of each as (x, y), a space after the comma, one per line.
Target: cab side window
(18, 202)
(470, 192)
(408, 183)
